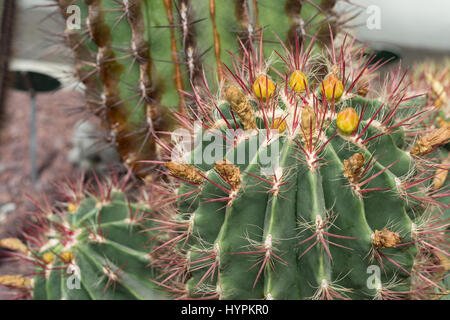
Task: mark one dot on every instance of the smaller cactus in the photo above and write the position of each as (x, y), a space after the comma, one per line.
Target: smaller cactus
(94, 246)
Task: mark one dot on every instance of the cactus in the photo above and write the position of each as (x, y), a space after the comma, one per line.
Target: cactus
(94, 246)
(299, 186)
(136, 57)
(349, 188)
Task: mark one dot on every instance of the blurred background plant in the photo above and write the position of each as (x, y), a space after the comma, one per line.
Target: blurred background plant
(56, 140)
(63, 138)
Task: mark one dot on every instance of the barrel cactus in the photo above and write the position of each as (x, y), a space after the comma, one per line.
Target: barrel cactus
(283, 184)
(298, 188)
(136, 57)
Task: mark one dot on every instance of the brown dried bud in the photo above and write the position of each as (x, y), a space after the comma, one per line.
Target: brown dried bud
(441, 173)
(363, 89)
(15, 281)
(230, 173)
(353, 167)
(385, 239)
(426, 144)
(240, 104)
(308, 125)
(444, 261)
(185, 171)
(362, 86)
(14, 244)
(438, 94)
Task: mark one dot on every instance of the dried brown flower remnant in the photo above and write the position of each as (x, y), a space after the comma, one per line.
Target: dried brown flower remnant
(353, 167)
(230, 173)
(441, 173)
(385, 239)
(444, 261)
(15, 281)
(362, 87)
(308, 125)
(427, 144)
(240, 104)
(438, 94)
(185, 171)
(14, 244)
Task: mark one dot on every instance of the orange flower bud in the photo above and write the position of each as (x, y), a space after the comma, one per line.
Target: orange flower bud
(298, 81)
(331, 84)
(67, 256)
(264, 87)
(280, 124)
(72, 207)
(48, 257)
(347, 121)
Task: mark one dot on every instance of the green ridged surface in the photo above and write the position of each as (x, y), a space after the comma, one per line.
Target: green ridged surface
(123, 249)
(306, 194)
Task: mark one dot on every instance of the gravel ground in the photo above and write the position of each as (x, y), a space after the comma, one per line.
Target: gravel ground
(55, 126)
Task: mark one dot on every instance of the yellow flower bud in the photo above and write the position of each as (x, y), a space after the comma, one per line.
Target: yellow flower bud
(72, 207)
(331, 84)
(264, 87)
(67, 256)
(280, 124)
(48, 257)
(298, 81)
(347, 121)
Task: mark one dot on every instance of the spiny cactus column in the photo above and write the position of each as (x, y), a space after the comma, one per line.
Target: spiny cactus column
(348, 189)
(135, 57)
(93, 247)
